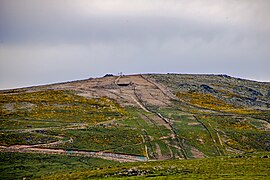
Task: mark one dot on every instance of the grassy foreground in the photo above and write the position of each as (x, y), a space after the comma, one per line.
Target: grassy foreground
(35, 166)
(249, 166)
(206, 120)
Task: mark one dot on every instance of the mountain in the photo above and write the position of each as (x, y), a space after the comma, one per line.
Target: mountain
(134, 118)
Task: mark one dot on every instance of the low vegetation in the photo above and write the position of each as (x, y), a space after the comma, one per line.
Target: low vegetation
(101, 138)
(208, 101)
(60, 106)
(15, 138)
(246, 166)
(204, 127)
(35, 166)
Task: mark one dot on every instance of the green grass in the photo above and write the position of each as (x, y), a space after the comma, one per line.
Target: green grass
(208, 101)
(203, 122)
(151, 131)
(50, 110)
(191, 132)
(100, 138)
(24, 123)
(257, 123)
(17, 138)
(265, 115)
(252, 166)
(59, 106)
(32, 166)
(249, 140)
(238, 133)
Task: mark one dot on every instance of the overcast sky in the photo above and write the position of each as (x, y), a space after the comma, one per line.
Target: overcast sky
(45, 41)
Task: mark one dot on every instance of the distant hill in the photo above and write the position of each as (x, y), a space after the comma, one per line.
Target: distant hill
(137, 118)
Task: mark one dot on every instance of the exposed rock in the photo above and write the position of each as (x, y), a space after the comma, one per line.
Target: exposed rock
(207, 89)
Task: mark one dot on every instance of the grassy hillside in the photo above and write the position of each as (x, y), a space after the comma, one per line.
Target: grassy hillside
(207, 116)
(190, 126)
(31, 166)
(248, 166)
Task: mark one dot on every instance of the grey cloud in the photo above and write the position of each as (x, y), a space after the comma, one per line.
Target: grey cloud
(38, 21)
(49, 41)
(109, 29)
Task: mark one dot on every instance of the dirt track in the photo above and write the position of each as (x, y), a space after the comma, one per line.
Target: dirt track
(107, 86)
(146, 93)
(134, 90)
(103, 155)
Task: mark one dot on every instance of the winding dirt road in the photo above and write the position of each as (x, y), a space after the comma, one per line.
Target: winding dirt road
(135, 90)
(103, 155)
